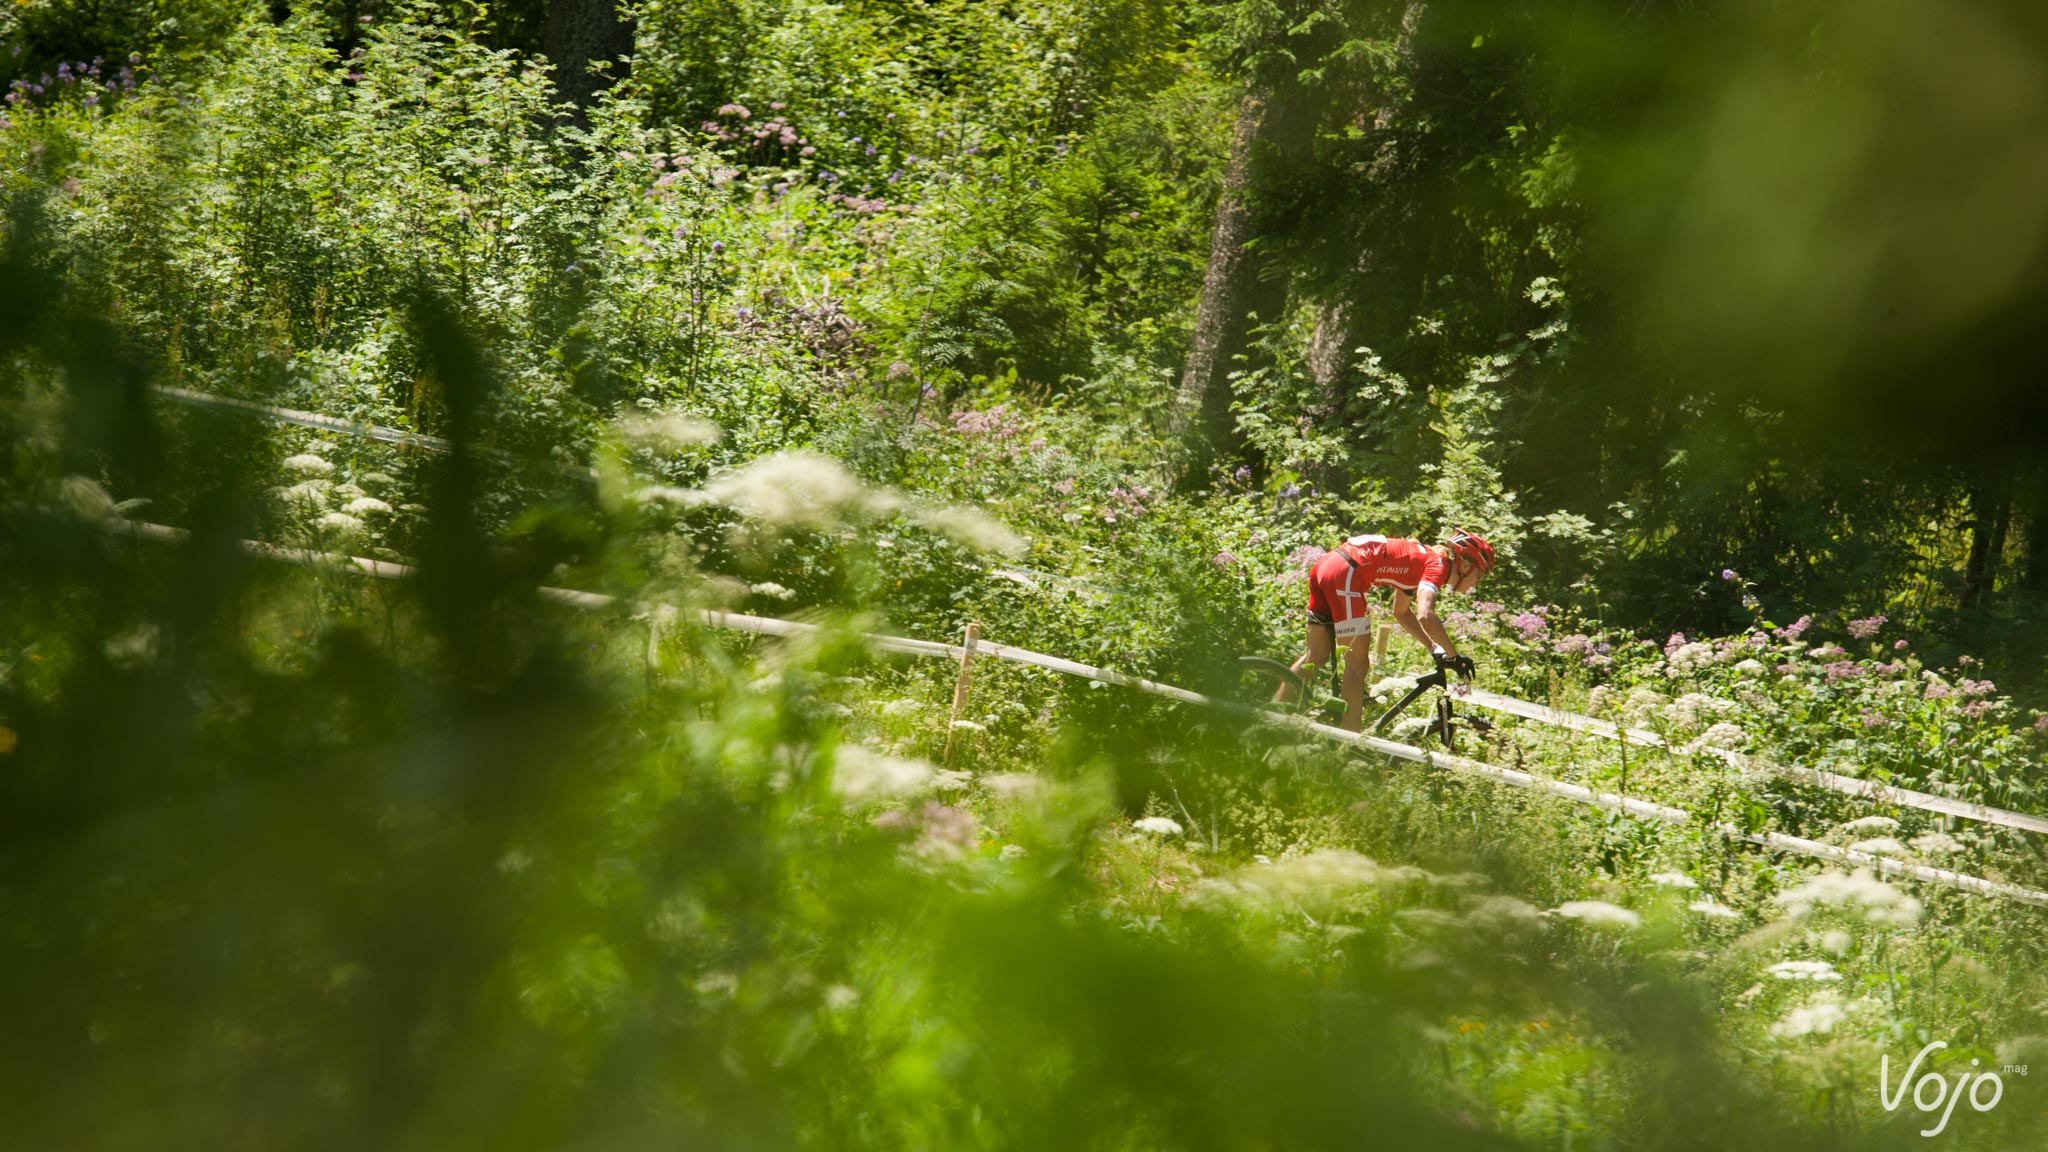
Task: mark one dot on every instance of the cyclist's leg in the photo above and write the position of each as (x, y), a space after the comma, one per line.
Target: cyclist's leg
(1322, 604)
(1357, 663)
(1312, 660)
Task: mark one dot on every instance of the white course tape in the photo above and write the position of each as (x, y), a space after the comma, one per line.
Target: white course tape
(769, 626)
(378, 432)
(1846, 785)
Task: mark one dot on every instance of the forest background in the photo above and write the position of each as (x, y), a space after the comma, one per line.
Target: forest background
(1091, 323)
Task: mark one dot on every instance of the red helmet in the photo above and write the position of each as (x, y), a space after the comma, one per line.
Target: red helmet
(1473, 547)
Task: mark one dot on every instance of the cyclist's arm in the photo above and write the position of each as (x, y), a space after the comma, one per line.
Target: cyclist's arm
(1428, 623)
(1404, 615)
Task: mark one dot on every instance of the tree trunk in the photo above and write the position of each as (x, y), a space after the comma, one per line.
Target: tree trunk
(2034, 576)
(1340, 326)
(1236, 286)
(581, 33)
(1990, 511)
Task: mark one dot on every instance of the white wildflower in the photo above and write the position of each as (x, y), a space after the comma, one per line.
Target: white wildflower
(860, 772)
(1013, 852)
(1818, 970)
(1505, 915)
(339, 522)
(307, 464)
(1723, 735)
(1871, 824)
(311, 493)
(1695, 710)
(1716, 911)
(378, 479)
(771, 590)
(367, 505)
(1428, 920)
(1673, 880)
(1820, 1016)
(670, 494)
(1638, 706)
(1879, 846)
(1836, 942)
(1323, 876)
(902, 707)
(1935, 844)
(1878, 902)
(840, 997)
(668, 431)
(1157, 826)
(791, 489)
(1599, 700)
(1690, 658)
(1409, 729)
(974, 528)
(969, 726)
(85, 498)
(951, 780)
(133, 649)
(1598, 914)
(1012, 784)
(1391, 687)
(1752, 666)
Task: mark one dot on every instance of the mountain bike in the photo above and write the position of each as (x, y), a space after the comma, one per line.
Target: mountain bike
(1445, 723)
(1260, 677)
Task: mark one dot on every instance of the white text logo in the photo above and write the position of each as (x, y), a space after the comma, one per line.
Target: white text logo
(1940, 1086)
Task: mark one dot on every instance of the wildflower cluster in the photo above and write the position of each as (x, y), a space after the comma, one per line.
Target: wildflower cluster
(85, 80)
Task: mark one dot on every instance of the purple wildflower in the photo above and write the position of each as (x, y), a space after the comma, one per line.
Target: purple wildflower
(1489, 607)
(1576, 644)
(1971, 687)
(1976, 709)
(1936, 690)
(1828, 652)
(1290, 492)
(2041, 723)
(1065, 487)
(1874, 720)
(1728, 574)
(1865, 628)
(1530, 625)
(1792, 631)
(1676, 641)
(1223, 560)
(718, 246)
(1242, 474)
(1899, 646)
(1305, 555)
(1842, 670)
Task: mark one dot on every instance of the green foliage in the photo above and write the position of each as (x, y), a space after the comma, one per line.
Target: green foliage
(295, 859)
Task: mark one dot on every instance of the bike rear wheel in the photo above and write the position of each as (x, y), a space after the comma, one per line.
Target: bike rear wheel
(1260, 680)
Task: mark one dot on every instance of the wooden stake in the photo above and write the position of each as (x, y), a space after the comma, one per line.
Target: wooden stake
(1379, 646)
(960, 690)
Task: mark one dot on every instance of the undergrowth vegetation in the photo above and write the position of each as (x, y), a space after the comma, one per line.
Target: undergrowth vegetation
(871, 320)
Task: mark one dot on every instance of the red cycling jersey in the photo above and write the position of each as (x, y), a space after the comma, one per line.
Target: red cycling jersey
(1339, 582)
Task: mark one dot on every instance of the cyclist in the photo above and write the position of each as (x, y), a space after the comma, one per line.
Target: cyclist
(1417, 572)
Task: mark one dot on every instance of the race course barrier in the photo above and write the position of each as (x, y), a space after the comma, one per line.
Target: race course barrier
(770, 626)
